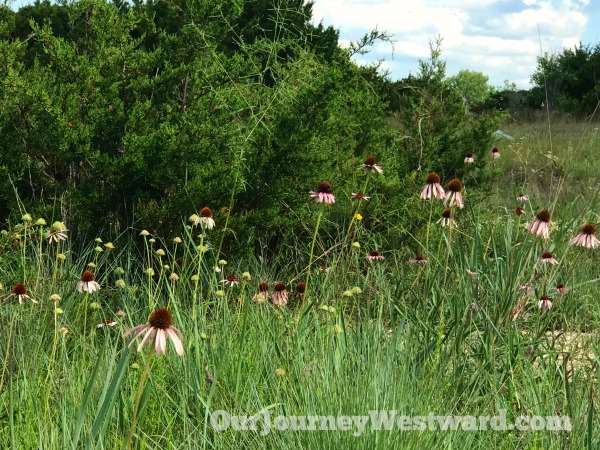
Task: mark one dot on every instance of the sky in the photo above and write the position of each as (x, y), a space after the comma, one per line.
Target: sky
(501, 38)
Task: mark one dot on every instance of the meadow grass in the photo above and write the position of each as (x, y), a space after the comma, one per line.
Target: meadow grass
(367, 335)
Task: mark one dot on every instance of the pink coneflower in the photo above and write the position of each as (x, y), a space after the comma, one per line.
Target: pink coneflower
(20, 292)
(300, 290)
(418, 260)
(453, 195)
(57, 232)
(432, 187)
(205, 218)
(522, 198)
(519, 211)
(545, 303)
(561, 289)
(323, 268)
(324, 193)
(539, 226)
(230, 280)
(262, 295)
(495, 153)
(587, 237)
(374, 255)
(88, 283)
(106, 323)
(159, 327)
(370, 165)
(469, 158)
(548, 258)
(446, 218)
(280, 296)
(360, 196)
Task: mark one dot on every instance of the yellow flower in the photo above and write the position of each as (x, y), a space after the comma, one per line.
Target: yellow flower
(160, 252)
(177, 240)
(358, 217)
(144, 233)
(280, 372)
(109, 245)
(55, 297)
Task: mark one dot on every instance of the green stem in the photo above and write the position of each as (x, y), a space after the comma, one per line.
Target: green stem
(312, 252)
(139, 396)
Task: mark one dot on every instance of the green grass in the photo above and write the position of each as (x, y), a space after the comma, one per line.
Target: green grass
(370, 335)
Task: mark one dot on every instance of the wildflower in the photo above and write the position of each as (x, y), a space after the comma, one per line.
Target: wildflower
(471, 274)
(453, 195)
(166, 267)
(121, 314)
(195, 277)
(222, 262)
(58, 311)
(587, 237)
(469, 158)
(539, 226)
(98, 249)
(55, 297)
(280, 372)
(40, 222)
(358, 217)
(98, 240)
(119, 271)
(495, 153)
(20, 292)
(545, 303)
(246, 276)
(300, 290)
(446, 218)
(230, 280)
(177, 240)
(87, 283)
(202, 248)
(262, 294)
(150, 271)
(158, 328)
(561, 289)
(174, 277)
(432, 187)
(418, 260)
(220, 293)
(356, 290)
(61, 256)
(120, 283)
(110, 246)
(356, 244)
(370, 165)
(280, 296)
(26, 218)
(217, 269)
(323, 268)
(522, 198)
(64, 330)
(106, 323)
(205, 218)
(160, 252)
(144, 233)
(95, 305)
(324, 193)
(374, 254)
(547, 257)
(519, 211)
(57, 232)
(347, 293)
(152, 240)
(359, 196)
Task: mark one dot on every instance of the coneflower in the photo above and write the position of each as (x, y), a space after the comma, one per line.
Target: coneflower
(545, 303)
(432, 187)
(453, 195)
(548, 258)
(519, 211)
(495, 153)
(539, 226)
(522, 198)
(446, 220)
(280, 294)
(586, 237)
(370, 165)
(57, 232)
(324, 193)
(300, 290)
(561, 289)
(20, 292)
(359, 196)
(88, 283)
(230, 280)
(469, 158)
(418, 260)
(158, 328)
(374, 255)
(205, 218)
(262, 294)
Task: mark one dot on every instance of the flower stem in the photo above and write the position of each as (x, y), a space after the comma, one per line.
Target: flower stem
(139, 396)
(312, 248)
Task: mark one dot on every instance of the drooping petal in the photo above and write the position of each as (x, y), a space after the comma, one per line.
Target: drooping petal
(176, 342)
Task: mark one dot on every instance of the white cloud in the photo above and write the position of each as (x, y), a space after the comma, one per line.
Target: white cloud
(497, 37)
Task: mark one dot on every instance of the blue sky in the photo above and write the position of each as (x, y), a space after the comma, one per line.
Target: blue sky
(497, 37)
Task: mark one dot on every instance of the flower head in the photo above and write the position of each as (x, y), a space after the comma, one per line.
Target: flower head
(359, 196)
(453, 195)
(230, 280)
(262, 294)
(57, 232)
(545, 303)
(324, 193)
(522, 198)
(418, 260)
(548, 258)
(370, 165)
(432, 187)
(106, 323)
(519, 211)
(374, 254)
(158, 328)
(20, 292)
(469, 158)
(205, 218)
(280, 296)
(586, 237)
(300, 290)
(495, 153)
(561, 289)
(446, 220)
(539, 226)
(88, 283)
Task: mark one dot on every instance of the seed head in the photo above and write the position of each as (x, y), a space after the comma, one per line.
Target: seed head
(455, 185)
(433, 178)
(325, 187)
(161, 319)
(543, 216)
(87, 276)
